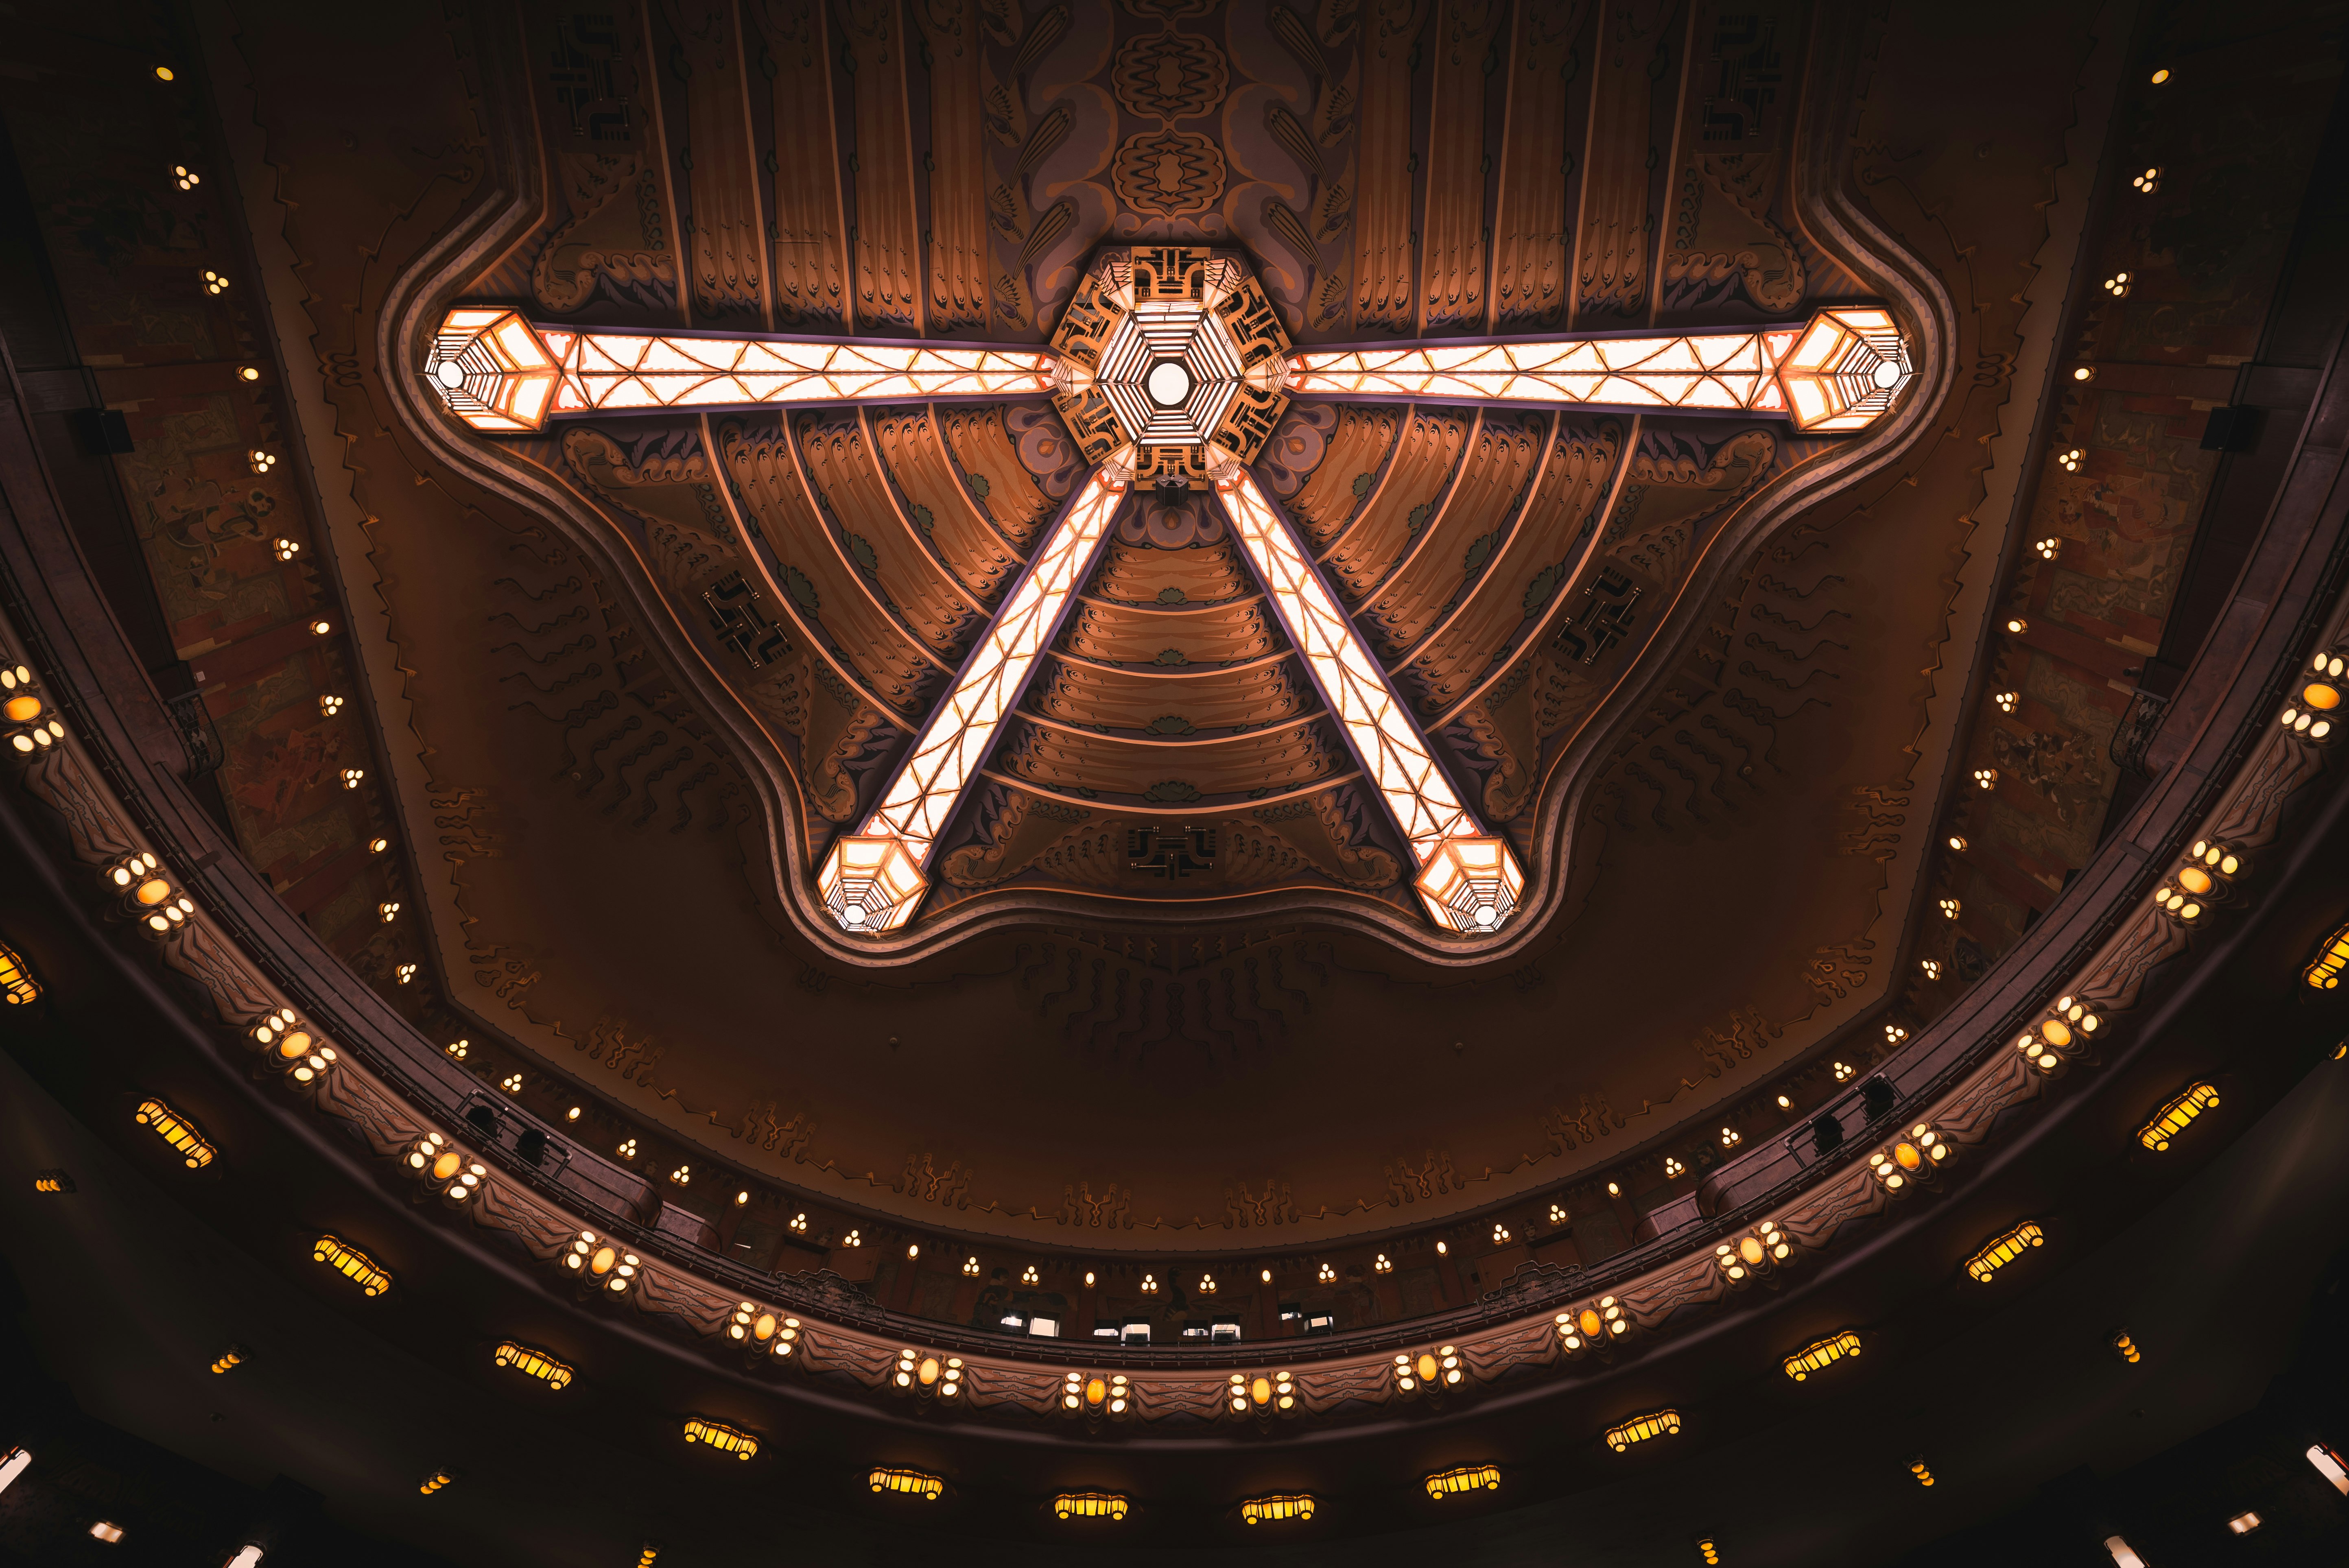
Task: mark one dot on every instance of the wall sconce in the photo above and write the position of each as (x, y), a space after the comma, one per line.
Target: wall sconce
(321, 627)
(53, 1181)
(287, 549)
(260, 461)
(1957, 843)
(176, 1130)
(1267, 1393)
(682, 1175)
(1381, 1264)
(1468, 1478)
(1825, 1352)
(2059, 1037)
(1663, 1424)
(724, 1439)
(2117, 285)
(2048, 550)
(213, 283)
(1500, 1233)
(593, 1260)
(2319, 696)
(1431, 1369)
(2070, 459)
(2328, 1465)
(352, 776)
(248, 373)
(377, 846)
(1089, 1505)
(1925, 1477)
(1843, 1071)
(433, 1481)
(387, 912)
(13, 1464)
(1206, 1284)
(14, 982)
(1597, 1325)
(906, 1483)
(852, 1240)
(1913, 1159)
(2175, 1116)
(404, 973)
(1327, 1274)
(1149, 1283)
(108, 1532)
(537, 1364)
(352, 1264)
(1707, 1551)
(2125, 1347)
(1282, 1506)
(2003, 1250)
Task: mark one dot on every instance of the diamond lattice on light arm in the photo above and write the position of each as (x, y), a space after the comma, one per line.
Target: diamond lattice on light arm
(921, 795)
(1470, 880)
(1839, 371)
(498, 373)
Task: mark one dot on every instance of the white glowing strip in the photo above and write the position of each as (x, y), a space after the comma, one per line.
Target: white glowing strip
(1388, 742)
(956, 740)
(606, 371)
(13, 1466)
(1695, 370)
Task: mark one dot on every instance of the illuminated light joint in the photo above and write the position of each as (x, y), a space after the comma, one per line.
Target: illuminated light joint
(502, 375)
(29, 731)
(871, 881)
(1753, 1254)
(1593, 1327)
(1467, 1478)
(1469, 881)
(1840, 370)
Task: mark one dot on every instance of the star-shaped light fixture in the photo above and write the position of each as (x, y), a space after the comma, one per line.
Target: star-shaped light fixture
(1170, 367)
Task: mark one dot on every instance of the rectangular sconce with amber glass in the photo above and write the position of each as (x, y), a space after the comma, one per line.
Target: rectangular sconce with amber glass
(2004, 1250)
(724, 1439)
(1089, 1505)
(537, 1364)
(1825, 1352)
(176, 1130)
(2173, 1118)
(1467, 1478)
(1663, 1424)
(352, 1264)
(906, 1483)
(1282, 1505)
(15, 984)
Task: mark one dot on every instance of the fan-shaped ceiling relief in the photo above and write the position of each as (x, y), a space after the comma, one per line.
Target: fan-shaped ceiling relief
(1260, 551)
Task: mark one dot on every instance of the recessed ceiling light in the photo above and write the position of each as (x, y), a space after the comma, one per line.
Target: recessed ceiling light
(2244, 1522)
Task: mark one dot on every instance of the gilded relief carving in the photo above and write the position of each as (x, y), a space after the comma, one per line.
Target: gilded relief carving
(888, 263)
(1532, 237)
(958, 244)
(809, 253)
(1611, 238)
(728, 249)
(615, 244)
(1465, 40)
(1382, 218)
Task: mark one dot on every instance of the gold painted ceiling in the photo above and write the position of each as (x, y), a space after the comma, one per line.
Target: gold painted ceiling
(636, 673)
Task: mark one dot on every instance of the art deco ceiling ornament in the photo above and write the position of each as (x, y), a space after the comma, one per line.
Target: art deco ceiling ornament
(1170, 368)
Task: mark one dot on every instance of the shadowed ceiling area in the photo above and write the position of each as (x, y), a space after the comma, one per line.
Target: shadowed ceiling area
(1375, 775)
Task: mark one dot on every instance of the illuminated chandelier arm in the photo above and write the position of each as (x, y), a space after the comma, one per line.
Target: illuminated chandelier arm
(873, 879)
(1469, 880)
(1838, 371)
(502, 374)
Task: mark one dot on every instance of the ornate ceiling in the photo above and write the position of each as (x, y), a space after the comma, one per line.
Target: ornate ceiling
(638, 672)
(1111, 664)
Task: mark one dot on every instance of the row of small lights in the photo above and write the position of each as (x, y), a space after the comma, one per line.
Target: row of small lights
(1105, 1506)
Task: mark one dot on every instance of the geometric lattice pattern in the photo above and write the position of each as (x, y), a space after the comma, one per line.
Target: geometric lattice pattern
(1170, 366)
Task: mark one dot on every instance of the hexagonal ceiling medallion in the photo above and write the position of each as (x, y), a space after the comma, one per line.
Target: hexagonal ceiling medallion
(1170, 362)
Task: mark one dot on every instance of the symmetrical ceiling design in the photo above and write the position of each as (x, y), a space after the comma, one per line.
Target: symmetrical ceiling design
(1254, 758)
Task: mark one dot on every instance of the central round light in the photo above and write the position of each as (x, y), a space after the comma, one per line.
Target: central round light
(1168, 384)
(450, 376)
(1887, 375)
